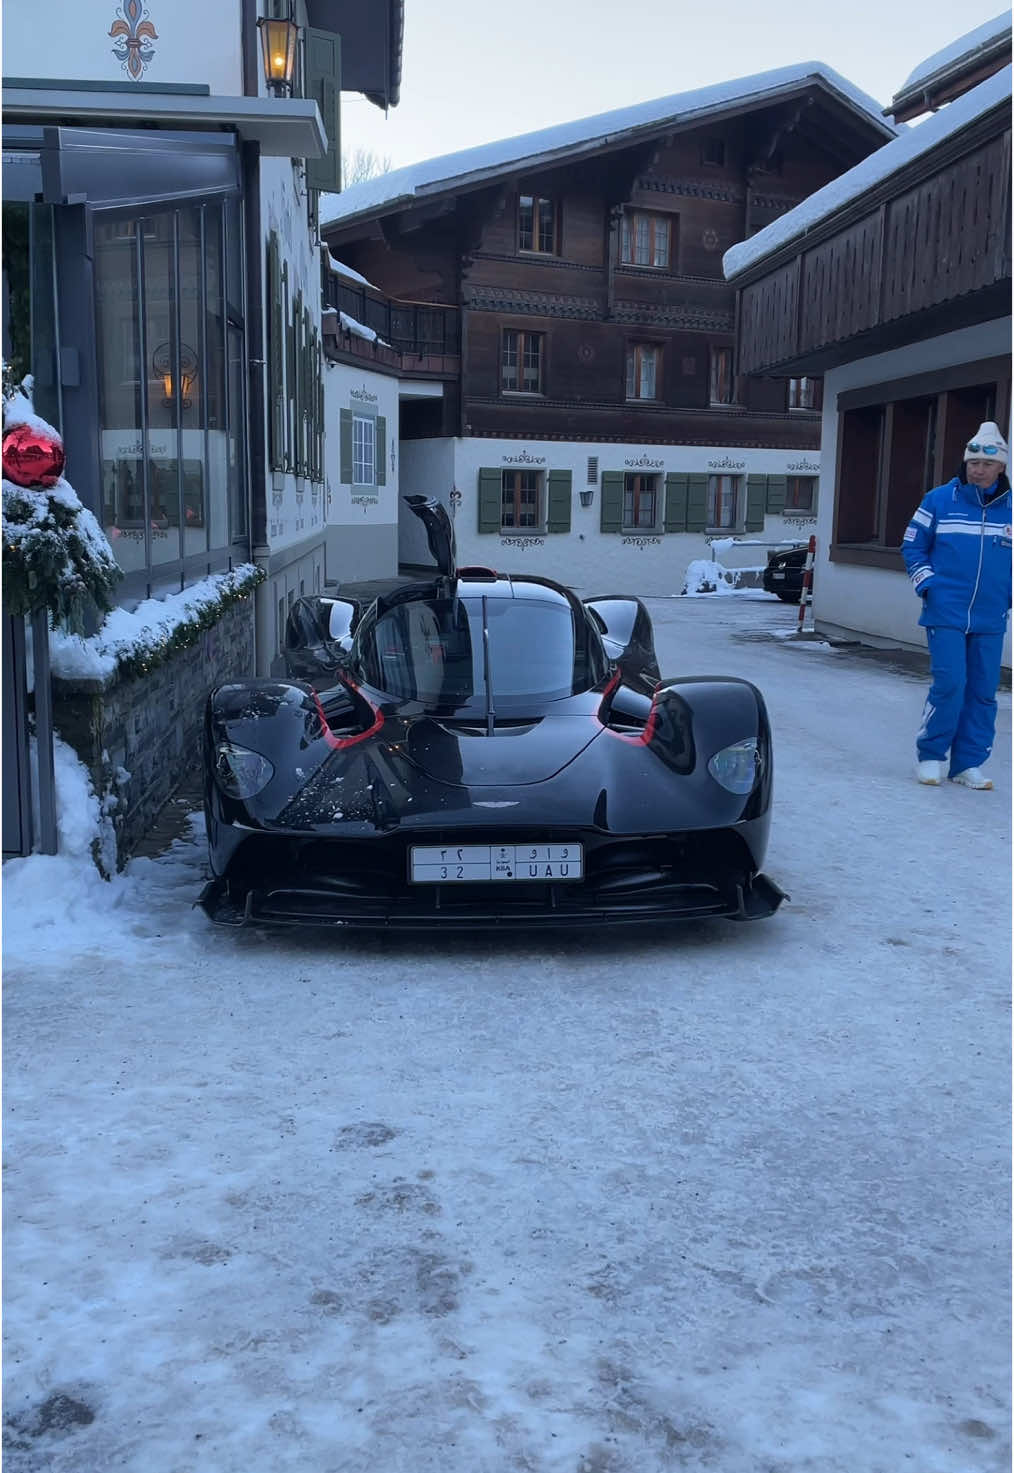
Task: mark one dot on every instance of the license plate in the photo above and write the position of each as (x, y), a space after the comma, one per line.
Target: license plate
(778, 575)
(474, 863)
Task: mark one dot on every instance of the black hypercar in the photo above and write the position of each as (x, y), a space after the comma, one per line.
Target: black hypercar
(784, 573)
(483, 750)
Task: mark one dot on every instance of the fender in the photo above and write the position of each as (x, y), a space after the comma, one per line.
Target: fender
(698, 716)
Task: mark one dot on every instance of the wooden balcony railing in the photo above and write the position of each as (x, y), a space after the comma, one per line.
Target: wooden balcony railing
(413, 329)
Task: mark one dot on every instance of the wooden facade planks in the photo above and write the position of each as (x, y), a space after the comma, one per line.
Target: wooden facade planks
(590, 309)
(767, 320)
(898, 268)
(839, 284)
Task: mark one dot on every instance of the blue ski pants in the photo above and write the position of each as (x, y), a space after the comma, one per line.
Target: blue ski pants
(960, 711)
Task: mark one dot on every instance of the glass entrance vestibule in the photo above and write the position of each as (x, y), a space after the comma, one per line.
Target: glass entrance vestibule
(136, 337)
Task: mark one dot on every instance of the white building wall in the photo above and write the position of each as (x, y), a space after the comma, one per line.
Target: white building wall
(194, 42)
(877, 605)
(361, 521)
(652, 564)
(427, 469)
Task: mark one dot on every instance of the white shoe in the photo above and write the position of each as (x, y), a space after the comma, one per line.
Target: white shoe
(930, 771)
(972, 777)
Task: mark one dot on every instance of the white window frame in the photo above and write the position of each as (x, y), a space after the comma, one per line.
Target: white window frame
(364, 450)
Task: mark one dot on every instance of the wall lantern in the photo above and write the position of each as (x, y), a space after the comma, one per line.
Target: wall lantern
(278, 49)
(164, 366)
(586, 497)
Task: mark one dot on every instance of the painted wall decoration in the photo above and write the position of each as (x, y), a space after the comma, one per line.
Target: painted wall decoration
(136, 32)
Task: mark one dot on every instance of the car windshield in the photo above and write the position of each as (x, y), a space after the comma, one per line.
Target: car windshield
(435, 651)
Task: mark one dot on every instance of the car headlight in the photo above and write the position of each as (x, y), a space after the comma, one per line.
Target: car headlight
(736, 767)
(240, 772)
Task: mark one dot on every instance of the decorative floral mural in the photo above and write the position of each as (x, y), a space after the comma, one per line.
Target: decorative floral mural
(136, 32)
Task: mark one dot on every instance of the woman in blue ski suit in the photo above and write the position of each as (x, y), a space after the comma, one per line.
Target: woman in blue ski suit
(957, 549)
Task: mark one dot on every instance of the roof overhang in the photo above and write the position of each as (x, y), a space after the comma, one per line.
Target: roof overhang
(950, 80)
(284, 127)
(372, 44)
(840, 215)
(607, 141)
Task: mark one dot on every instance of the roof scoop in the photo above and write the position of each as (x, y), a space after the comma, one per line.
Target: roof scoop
(439, 532)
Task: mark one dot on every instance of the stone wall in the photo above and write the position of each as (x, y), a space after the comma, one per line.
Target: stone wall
(140, 737)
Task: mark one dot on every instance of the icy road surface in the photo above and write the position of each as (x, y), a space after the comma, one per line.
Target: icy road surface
(727, 1198)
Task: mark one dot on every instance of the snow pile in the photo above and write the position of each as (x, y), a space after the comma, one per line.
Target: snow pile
(359, 330)
(147, 633)
(86, 856)
(704, 576)
(338, 268)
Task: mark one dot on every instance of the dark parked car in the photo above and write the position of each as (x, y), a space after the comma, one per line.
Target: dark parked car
(784, 572)
(483, 750)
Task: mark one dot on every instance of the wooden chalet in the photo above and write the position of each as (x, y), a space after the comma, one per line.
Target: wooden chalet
(586, 264)
(894, 286)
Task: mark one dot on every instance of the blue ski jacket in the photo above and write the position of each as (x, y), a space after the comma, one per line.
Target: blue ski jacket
(957, 549)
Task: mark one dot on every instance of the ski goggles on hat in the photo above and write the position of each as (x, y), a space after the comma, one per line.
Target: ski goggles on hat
(977, 449)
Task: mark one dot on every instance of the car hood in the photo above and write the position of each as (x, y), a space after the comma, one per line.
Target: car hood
(516, 753)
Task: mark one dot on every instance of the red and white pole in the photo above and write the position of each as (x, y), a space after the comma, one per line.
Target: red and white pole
(806, 596)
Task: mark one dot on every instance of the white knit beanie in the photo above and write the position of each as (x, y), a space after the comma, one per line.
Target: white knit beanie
(987, 444)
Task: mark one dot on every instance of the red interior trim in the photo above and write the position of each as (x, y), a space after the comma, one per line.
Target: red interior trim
(337, 742)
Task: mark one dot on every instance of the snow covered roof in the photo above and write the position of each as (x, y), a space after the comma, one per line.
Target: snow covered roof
(584, 135)
(339, 268)
(894, 156)
(962, 50)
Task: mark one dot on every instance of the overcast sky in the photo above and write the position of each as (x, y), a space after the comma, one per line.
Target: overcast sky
(476, 70)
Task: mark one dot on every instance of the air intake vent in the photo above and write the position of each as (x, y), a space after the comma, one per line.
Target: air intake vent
(593, 470)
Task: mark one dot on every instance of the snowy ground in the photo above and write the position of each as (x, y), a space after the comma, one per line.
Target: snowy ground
(726, 1198)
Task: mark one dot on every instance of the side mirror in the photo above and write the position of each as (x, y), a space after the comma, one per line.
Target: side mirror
(625, 626)
(318, 634)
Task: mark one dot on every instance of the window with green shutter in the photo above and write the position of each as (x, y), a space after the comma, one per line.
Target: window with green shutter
(345, 446)
(298, 386)
(677, 488)
(290, 368)
(777, 487)
(276, 355)
(381, 450)
(295, 375)
(323, 83)
(558, 502)
(697, 502)
(490, 482)
(611, 502)
(756, 500)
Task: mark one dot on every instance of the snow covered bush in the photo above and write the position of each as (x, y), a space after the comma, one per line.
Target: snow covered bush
(705, 576)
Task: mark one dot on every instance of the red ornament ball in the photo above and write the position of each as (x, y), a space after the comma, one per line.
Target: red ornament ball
(32, 457)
